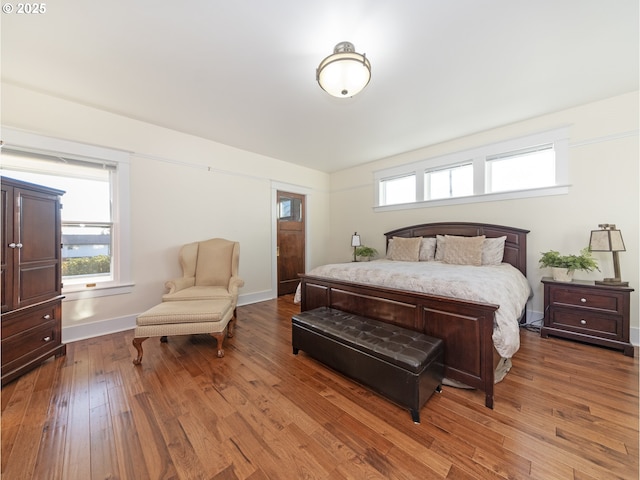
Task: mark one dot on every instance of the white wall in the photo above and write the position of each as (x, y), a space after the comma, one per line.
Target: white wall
(183, 189)
(604, 178)
(176, 198)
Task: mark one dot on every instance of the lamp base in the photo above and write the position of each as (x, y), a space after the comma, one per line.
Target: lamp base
(612, 282)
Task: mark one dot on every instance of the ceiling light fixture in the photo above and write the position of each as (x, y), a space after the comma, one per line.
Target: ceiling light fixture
(344, 73)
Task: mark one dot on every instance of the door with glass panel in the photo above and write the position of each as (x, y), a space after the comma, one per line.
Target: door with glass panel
(291, 241)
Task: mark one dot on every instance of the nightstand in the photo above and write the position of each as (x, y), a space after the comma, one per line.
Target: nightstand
(584, 311)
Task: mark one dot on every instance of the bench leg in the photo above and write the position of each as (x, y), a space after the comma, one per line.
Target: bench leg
(415, 416)
(137, 343)
(219, 336)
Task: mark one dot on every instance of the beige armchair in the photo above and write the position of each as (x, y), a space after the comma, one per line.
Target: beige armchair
(210, 271)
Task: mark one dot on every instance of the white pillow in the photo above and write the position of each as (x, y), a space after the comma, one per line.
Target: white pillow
(428, 249)
(440, 248)
(493, 250)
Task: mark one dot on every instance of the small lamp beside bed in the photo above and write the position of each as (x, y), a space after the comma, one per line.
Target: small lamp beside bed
(609, 239)
(355, 243)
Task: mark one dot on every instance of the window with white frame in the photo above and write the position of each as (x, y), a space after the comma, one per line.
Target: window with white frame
(448, 182)
(529, 166)
(398, 190)
(523, 169)
(95, 246)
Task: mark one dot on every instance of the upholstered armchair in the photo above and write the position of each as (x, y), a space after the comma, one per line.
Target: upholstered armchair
(210, 271)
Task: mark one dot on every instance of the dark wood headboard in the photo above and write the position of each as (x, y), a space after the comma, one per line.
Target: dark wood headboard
(515, 247)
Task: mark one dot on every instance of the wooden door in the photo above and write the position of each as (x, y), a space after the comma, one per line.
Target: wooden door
(291, 241)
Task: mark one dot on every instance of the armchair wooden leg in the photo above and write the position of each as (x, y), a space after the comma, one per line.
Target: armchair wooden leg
(137, 343)
(219, 336)
(230, 327)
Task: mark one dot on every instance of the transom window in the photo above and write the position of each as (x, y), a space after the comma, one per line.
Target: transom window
(398, 190)
(455, 181)
(530, 166)
(524, 169)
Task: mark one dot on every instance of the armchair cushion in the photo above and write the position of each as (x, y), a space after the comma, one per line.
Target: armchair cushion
(213, 266)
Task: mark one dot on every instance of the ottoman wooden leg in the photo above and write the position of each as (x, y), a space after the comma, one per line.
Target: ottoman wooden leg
(137, 343)
(219, 336)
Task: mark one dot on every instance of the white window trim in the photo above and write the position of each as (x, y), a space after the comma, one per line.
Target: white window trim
(35, 143)
(559, 137)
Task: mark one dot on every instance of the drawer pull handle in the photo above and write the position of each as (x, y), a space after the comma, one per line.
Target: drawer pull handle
(583, 322)
(46, 339)
(47, 317)
(583, 300)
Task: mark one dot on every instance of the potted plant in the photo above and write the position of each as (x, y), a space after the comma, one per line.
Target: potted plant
(366, 252)
(563, 266)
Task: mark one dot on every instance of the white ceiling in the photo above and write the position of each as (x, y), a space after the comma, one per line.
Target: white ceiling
(242, 72)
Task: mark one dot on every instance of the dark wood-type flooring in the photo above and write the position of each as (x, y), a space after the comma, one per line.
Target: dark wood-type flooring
(565, 411)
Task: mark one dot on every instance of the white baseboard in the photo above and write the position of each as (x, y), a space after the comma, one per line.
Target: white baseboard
(73, 333)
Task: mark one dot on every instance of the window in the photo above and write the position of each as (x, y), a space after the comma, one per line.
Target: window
(530, 166)
(455, 181)
(95, 255)
(398, 190)
(520, 170)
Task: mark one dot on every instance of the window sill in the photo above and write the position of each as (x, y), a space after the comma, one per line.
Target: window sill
(79, 292)
(488, 197)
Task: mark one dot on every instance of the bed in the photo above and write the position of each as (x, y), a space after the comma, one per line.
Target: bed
(466, 325)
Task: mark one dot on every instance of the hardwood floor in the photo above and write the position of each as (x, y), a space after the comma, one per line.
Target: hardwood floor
(565, 411)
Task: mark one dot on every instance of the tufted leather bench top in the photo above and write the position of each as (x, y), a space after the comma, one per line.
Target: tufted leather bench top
(405, 348)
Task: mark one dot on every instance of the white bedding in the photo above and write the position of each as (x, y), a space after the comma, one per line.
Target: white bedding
(502, 285)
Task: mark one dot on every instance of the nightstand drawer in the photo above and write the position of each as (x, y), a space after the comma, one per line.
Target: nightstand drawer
(592, 323)
(585, 298)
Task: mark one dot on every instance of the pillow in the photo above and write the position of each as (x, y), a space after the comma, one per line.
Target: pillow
(440, 248)
(427, 249)
(493, 251)
(404, 249)
(463, 250)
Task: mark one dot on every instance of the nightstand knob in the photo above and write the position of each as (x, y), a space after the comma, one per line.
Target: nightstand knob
(583, 322)
(46, 339)
(47, 317)
(583, 300)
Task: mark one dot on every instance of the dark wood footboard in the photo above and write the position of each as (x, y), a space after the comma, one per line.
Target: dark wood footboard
(465, 327)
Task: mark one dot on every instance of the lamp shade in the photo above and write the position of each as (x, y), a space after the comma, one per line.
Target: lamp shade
(355, 240)
(344, 73)
(608, 239)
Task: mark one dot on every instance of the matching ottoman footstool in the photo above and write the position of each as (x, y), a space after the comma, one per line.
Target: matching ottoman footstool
(215, 317)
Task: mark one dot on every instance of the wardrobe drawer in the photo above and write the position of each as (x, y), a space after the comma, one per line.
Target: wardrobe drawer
(31, 343)
(14, 323)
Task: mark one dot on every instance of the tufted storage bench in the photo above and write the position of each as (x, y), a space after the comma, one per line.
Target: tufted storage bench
(402, 365)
